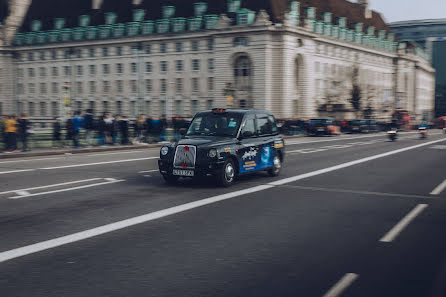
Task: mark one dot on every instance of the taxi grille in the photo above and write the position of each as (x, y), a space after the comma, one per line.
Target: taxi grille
(185, 156)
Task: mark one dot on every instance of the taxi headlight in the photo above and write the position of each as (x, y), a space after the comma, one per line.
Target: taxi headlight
(164, 150)
(212, 153)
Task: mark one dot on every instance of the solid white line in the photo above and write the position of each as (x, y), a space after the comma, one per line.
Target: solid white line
(51, 186)
(22, 193)
(148, 171)
(343, 284)
(34, 248)
(349, 164)
(393, 233)
(116, 153)
(30, 160)
(98, 163)
(16, 171)
(439, 188)
(66, 190)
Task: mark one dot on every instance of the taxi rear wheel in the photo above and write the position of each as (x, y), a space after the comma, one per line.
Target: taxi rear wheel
(227, 175)
(277, 167)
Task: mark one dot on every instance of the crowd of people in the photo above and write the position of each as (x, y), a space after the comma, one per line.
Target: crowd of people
(85, 129)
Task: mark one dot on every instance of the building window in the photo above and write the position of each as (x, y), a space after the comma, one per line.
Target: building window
(54, 109)
(91, 52)
(42, 71)
(43, 109)
(20, 90)
(194, 106)
(149, 67)
(134, 67)
(54, 71)
(55, 88)
(148, 86)
(179, 65)
(67, 54)
(210, 83)
(178, 107)
(119, 86)
(119, 51)
(31, 109)
(210, 104)
(80, 70)
(105, 51)
(42, 88)
(133, 109)
(163, 86)
(92, 105)
(148, 49)
(105, 106)
(92, 87)
(42, 56)
(163, 48)
(241, 41)
(31, 88)
(211, 64)
(242, 72)
(79, 87)
(106, 86)
(20, 72)
(106, 68)
(54, 55)
(211, 44)
(195, 85)
(119, 68)
(179, 85)
(195, 46)
(119, 107)
(30, 57)
(67, 70)
(134, 86)
(148, 107)
(31, 72)
(78, 105)
(92, 69)
(179, 47)
(163, 107)
(163, 66)
(196, 65)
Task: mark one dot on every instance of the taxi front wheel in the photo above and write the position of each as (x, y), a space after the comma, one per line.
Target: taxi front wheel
(226, 176)
(277, 167)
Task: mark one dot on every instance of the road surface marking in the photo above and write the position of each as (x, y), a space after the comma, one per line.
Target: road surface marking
(111, 181)
(98, 163)
(349, 164)
(45, 245)
(22, 193)
(393, 233)
(359, 192)
(52, 186)
(438, 147)
(341, 285)
(17, 171)
(52, 243)
(439, 188)
(30, 160)
(381, 134)
(116, 153)
(148, 171)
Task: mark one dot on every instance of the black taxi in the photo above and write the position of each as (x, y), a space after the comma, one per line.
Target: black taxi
(224, 143)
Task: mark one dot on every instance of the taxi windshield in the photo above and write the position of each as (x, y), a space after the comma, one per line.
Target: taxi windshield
(210, 124)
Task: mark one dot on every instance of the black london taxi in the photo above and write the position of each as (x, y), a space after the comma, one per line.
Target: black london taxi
(224, 143)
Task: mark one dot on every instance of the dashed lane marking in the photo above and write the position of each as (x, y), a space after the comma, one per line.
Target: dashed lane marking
(341, 285)
(439, 188)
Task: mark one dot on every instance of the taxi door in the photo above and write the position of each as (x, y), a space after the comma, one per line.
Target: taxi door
(267, 133)
(249, 151)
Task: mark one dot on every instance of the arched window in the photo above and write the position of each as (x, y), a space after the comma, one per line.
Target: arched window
(242, 72)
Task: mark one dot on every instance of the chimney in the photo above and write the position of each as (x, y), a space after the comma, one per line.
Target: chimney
(367, 12)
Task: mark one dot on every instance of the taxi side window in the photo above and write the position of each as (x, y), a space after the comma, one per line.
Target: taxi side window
(249, 130)
(266, 125)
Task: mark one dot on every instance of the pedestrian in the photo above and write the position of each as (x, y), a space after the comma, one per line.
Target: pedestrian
(88, 126)
(78, 122)
(155, 130)
(24, 130)
(124, 129)
(3, 133)
(69, 132)
(163, 128)
(147, 129)
(108, 121)
(140, 129)
(115, 129)
(11, 134)
(56, 133)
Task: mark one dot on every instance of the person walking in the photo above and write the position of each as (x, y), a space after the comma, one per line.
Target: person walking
(108, 121)
(11, 134)
(56, 133)
(124, 129)
(139, 129)
(69, 132)
(88, 126)
(24, 129)
(2, 132)
(163, 128)
(78, 122)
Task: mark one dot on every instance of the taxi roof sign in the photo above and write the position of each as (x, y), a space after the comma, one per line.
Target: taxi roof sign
(219, 110)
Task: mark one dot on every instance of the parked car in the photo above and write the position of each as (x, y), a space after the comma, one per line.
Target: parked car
(320, 127)
(363, 126)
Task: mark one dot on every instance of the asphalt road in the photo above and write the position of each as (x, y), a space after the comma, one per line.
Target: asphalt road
(355, 215)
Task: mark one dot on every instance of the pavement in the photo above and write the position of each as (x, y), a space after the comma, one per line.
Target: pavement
(355, 215)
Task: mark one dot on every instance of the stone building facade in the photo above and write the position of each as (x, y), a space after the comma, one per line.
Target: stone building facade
(297, 59)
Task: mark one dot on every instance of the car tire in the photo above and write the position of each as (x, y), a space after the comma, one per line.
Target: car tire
(227, 174)
(275, 171)
(170, 179)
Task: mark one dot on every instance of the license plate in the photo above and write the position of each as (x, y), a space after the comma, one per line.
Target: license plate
(179, 172)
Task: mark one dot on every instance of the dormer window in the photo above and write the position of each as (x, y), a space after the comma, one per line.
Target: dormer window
(241, 41)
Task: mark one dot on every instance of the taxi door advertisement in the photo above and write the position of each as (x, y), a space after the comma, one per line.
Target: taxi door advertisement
(254, 158)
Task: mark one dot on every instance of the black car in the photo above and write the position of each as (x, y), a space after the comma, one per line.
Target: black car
(224, 144)
(363, 126)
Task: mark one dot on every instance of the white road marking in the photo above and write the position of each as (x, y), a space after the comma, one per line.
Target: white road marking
(393, 233)
(22, 193)
(31, 160)
(116, 153)
(68, 189)
(438, 147)
(293, 142)
(341, 285)
(98, 163)
(16, 171)
(349, 164)
(148, 171)
(52, 186)
(439, 188)
(45, 245)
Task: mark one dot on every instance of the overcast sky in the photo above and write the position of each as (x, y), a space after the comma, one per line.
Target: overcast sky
(403, 10)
